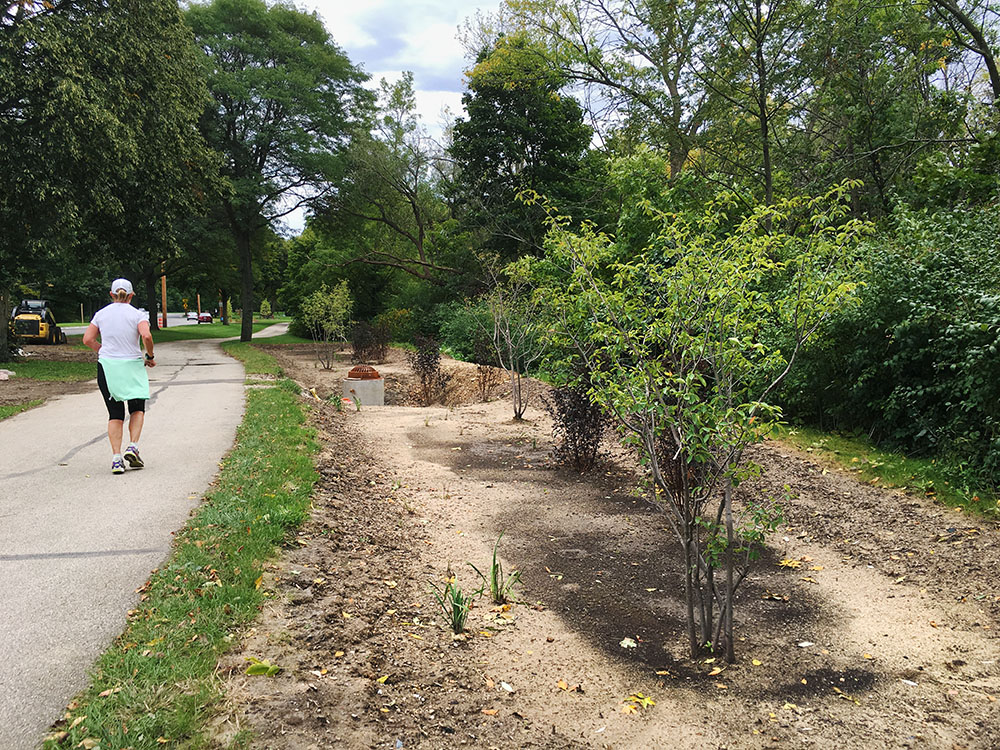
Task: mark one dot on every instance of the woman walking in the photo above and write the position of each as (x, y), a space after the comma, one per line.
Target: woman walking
(121, 373)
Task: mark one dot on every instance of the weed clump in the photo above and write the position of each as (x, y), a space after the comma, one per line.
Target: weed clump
(454, 604)
(500, 586)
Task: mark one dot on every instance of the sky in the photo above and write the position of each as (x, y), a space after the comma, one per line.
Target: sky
(386, 37)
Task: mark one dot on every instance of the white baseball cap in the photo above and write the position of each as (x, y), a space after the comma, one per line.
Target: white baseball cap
(121, 284)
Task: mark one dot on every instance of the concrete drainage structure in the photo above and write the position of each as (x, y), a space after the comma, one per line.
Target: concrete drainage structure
(364, 384)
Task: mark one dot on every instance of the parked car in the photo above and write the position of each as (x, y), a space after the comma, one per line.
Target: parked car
(205, 317)
(192, 315)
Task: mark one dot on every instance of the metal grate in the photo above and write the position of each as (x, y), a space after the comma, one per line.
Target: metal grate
(363, 372)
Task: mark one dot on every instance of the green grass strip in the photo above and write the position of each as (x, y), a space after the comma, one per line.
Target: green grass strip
(255, 361)
(9, 410)
(40, 369)
(187, 331)
(926, 476)
(155, 687)
(284, 338)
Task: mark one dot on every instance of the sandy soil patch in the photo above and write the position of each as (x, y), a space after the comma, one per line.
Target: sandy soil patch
(22, 390)
(885, 636)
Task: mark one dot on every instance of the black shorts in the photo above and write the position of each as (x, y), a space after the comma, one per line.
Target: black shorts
(116, 409)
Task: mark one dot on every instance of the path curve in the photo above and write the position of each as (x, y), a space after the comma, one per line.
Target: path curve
(77, 541)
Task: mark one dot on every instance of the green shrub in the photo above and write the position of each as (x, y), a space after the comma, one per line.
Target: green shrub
(466, 331)
(915, 363)
(399, 324)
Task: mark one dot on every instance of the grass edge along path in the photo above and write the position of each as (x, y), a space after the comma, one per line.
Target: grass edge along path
(255, 361)
(53, 370)
(933, 478)
(9, 410)
(155, 686)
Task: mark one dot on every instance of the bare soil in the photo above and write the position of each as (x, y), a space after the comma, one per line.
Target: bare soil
(22, 390)
(879, 631)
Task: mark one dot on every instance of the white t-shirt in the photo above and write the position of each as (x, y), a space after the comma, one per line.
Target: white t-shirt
(119, 327)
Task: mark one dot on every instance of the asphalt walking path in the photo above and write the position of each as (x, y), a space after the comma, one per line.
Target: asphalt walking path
(76, 541)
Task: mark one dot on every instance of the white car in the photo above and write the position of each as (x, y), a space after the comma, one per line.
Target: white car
(192, 315)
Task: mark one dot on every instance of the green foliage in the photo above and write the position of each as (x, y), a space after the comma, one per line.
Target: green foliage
(500, 585)
(466, 331)
(915, 363)
(521, 133)
(325, 314)
(454, 604)
(285, 98)
(265, 309)
(399, 324)
(679, 346)
(101, 153)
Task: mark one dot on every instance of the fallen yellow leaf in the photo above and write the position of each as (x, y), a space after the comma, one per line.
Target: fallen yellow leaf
(562, 685)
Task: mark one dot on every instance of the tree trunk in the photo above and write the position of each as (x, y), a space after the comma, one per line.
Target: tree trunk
(727, 613)
(224, 306)
(246, 283)
(149, 281)
(689, 592)
(765, 135)
(4, 324)
(982, 44)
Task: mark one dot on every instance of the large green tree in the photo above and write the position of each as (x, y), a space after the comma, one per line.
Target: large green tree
(100, 152)
(522, 133)
(285, 98)
(390, 197)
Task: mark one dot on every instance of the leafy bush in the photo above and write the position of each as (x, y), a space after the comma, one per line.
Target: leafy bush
(426, 365)
(915, 364)
(369, 343)
(466, 332)
(399, 324)
(265, 309)
(325, 313)
(577, 426)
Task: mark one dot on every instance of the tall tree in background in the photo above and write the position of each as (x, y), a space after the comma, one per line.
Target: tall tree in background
(390, 193)
(632, 59)
(754, 69)
(285, 98)
(521, 134)
(98, 116)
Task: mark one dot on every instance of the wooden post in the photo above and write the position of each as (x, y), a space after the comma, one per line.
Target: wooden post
(199, 305)
(163, 294)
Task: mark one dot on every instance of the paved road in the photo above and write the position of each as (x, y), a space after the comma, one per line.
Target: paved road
(173, 320)
(76, 541)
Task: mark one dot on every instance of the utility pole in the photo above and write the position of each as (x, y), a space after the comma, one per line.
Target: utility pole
(163, 293)
(199, 304)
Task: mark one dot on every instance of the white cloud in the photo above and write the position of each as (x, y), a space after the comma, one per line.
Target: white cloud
(386, 37)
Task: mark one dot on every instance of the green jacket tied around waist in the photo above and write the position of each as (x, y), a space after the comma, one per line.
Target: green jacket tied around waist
(126, 378)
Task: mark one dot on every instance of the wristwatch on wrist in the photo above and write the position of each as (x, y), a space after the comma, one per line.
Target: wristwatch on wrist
(149, 356)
